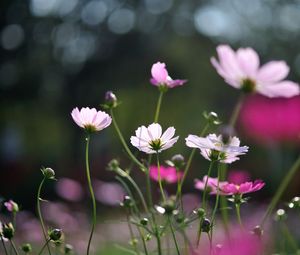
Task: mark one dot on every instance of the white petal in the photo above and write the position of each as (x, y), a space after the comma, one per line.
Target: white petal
(168, 134)
(170, 143)
(154, 131)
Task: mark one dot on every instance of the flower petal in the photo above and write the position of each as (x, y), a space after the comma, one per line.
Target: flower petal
(248, 61)
(154, 131)
(273, 71)
(281, 89)
(159, 72)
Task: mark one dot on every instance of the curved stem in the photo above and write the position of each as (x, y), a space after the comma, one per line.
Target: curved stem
(91, 192)
(130, 154)
(173, 235)
(281, 189)
(14, 247)
(157, 111)
(159, 179)
(236, 111)
(40, 214)
(4, 246)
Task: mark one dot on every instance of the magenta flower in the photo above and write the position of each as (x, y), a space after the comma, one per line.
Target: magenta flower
(243, 188)
(212, 184)
(271, 120)
(241, 69)
(151, 139)
(11, 206)
(238, 176)
(91, 119)
(168, 174)
(160, 76)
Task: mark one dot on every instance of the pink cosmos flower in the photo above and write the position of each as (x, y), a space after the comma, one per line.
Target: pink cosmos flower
(91, 119)
(212, 184)
(69, 189)
(243, 188)
(271, 120)
(241, 69)
(212, 147)
(238, 176)
(151, 139)
(11, 206)
(167, 174)
(160, 76)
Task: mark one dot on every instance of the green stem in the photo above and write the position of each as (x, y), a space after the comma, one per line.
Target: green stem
(40, 213)
(218, 196)
(157, 111)
(223, 200)
(46, 244)
(204, 200)
(148, 188)
(236, 111)
(121, 137)
(88, 175)
(158, 242)
(179, 190)
(132, 234)
(159, 179)
(287, 234)
(14, 247)
(4, 246)
(238, 214)
(281, 189)
(143, 240)
(173, 235)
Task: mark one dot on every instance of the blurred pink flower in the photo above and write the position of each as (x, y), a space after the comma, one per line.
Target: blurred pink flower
(212, 147)
(167, 173)
(11, 206)
(91, 119)
(243, 188)
(241, 69)
(160, 76)
(268, 120)
(69, 189)
(151, 139)
(238, 176)
(109, 193)
(212, 184)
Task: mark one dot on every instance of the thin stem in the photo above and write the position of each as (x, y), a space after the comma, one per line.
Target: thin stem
(236, 111)
(14, 247)
(223, 200)
(148, 188)
(287, 234)
(238, 214)
(159, 179)
(179, 189)
(88, 175)
(157, 111)
(132, 234)
(143, 240)
(40, 213)
(173, 235)
(157, 234)
(218, 196)
(121, 137)
(4, 246)
(46, 244)
(281, 189)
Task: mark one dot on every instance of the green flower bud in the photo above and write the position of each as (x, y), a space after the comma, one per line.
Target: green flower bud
(48, 173)
(55, 234)
(68, 249)
(26, 247)
(144, 221)
(205, 225)
(8, 231)
(127, 202)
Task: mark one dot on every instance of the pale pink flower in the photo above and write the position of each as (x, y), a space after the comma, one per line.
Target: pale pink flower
(271, 120)
(69, 189)
(242, 70)
(168, 174)
(151, 139)
(160, 76)
(91, 119)
(212, 184)
(212, 147)
(243, 188)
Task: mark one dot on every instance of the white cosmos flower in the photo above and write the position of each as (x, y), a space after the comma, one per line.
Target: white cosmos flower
(212, 147)
(151, 140)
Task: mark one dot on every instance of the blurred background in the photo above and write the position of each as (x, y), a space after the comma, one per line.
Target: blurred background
(60, 54)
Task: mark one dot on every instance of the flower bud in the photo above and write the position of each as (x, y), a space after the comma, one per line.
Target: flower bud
(205, 225)
(11, 206)
(144, 221)
(113, 165)
(26, 247)
(8, 231)
(178, 161)
(48, 173)
(55, 234)
(280, 215)
(111, 100)
(68, 249)
(169, 206)
(258, 231)
(200, 212)
(295, 203)
(212, 118)
(127, 202)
